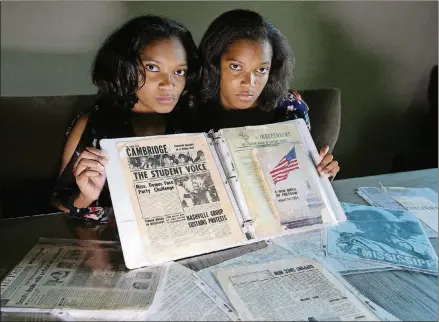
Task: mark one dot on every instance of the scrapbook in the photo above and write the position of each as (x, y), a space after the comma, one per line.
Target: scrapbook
(183, 195)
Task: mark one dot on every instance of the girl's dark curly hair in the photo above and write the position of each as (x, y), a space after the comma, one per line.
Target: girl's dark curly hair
(117, 64)
(244, 24)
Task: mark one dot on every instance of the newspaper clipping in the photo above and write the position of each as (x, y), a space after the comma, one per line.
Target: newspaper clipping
(241, 142)
(267, 254)
(311, 244)
(385, 235)
(180, 296)
(296, 289)
(287, 172)
(78, 275)
(390, 197)
(178, 196)
(184, 297)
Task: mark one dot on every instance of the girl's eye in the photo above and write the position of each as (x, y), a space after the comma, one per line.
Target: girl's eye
(262, 70)
(180, 72)
(235, 67)
(152, 68)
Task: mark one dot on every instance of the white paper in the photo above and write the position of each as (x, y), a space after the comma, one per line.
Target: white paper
(183, 297)
(108, 316)
(302, 243)
(270, 253)
(424, 208)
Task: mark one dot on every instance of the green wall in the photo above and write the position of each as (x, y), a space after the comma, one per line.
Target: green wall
(378, 53)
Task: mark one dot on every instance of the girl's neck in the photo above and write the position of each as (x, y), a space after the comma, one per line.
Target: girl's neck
(227, 107)
(146, 124)
(140, 108)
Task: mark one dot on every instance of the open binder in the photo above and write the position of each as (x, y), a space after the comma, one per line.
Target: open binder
(183, 195)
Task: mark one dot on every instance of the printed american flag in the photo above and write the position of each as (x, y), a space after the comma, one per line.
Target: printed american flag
(285, 166)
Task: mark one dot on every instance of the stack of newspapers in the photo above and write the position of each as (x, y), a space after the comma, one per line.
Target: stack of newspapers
(193, 198)
(67, 280)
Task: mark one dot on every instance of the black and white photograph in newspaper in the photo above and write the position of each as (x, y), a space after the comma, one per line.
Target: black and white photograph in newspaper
(384, 235)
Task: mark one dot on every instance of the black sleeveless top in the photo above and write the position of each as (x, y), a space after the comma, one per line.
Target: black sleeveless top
(213, 116)
(104, 122)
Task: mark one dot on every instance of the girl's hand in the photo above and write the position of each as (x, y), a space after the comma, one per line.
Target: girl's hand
(328, 167)
(90, 175)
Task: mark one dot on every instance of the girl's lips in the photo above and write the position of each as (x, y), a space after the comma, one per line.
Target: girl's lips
(245, 97)
(165, 99)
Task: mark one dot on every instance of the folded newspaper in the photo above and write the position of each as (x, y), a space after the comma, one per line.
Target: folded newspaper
(384, 235)
(183, 195)
(83, 276)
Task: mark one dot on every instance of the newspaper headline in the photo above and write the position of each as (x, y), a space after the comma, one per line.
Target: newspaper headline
(177, 194)
(184, 172)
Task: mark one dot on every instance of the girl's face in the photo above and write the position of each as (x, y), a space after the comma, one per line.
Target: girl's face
(165, 64)
(245, 67)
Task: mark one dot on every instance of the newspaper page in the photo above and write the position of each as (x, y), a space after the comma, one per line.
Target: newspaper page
(84, 275)
(387, 197)
(241, 142)
(425, 209)
(179, 200)
(290, 289)
(180, 297)
(289, 176)
(270, 253)
(183, 297)
(300, 244)
(388, 236)
(310, 244)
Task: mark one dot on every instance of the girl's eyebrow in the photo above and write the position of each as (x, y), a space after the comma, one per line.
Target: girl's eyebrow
(147, 59)
(160, 63)
(233, 59)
